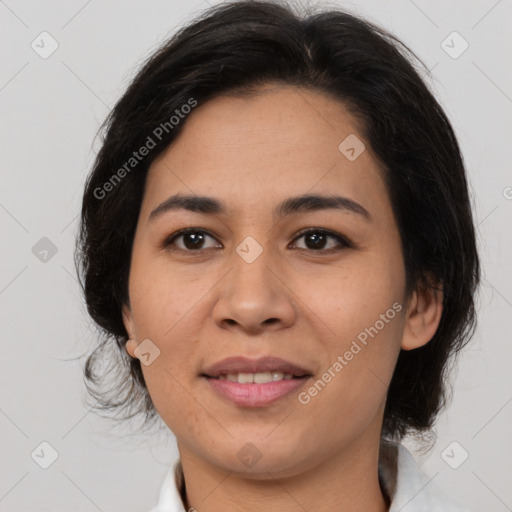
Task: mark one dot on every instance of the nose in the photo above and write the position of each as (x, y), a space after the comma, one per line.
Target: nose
(255, 296)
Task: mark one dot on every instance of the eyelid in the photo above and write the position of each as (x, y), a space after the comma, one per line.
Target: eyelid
(168, 240)
(343, 240)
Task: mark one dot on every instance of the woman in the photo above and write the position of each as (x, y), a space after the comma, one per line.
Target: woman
(277, 234)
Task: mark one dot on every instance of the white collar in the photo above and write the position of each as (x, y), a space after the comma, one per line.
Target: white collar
(409, 489)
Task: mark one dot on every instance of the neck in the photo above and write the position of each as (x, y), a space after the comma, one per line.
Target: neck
(347, 481)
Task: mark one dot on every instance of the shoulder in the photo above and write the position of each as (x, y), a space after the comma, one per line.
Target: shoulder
(170, 496)
(409, 488)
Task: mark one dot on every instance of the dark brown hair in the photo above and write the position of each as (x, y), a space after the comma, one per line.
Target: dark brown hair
(236, 47)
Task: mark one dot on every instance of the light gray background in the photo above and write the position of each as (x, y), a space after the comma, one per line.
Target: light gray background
(50, 111)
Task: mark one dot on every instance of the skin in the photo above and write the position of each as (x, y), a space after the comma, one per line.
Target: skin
(201, 306)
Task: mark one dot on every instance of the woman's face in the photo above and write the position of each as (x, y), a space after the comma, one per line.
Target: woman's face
(246, 282)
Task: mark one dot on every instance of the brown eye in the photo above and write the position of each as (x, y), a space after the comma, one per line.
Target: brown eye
(317, 239)
(192, 239)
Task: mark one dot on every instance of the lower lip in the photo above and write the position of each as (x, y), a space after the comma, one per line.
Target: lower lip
(255, 395)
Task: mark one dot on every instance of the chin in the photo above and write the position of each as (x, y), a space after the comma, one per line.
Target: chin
(261, 460)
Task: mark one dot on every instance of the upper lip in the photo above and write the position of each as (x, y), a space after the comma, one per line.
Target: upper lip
(242, 364)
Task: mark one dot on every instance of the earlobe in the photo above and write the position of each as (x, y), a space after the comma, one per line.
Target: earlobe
(131, 344)
(422, 317)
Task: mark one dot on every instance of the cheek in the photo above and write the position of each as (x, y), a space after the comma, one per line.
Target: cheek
(163, 295)
(170, 305)
(362, 306)
(352, 296)
(352, 387)
(174, 399)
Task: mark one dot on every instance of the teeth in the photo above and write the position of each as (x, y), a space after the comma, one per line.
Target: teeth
(257, 378)
(245, 378)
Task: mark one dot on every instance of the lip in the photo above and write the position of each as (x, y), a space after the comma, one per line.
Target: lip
(252, 394)
(242, 364)
(255, 395)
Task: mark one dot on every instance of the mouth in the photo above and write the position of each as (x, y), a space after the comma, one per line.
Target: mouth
(256, 378)
(255, 383)
(262, 367)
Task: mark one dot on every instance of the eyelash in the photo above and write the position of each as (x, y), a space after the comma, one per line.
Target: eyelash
(344, 242)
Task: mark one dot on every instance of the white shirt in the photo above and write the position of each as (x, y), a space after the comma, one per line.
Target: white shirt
(409, 489)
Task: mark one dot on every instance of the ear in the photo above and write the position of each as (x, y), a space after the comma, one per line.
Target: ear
(129, 325)
(423, 315)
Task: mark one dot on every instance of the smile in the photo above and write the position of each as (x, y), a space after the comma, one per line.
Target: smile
(251, 393)
(257, 378)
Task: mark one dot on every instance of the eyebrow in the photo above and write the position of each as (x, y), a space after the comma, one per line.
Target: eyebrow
(290, 206)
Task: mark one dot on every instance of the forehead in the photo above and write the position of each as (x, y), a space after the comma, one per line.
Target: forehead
(280, 142)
